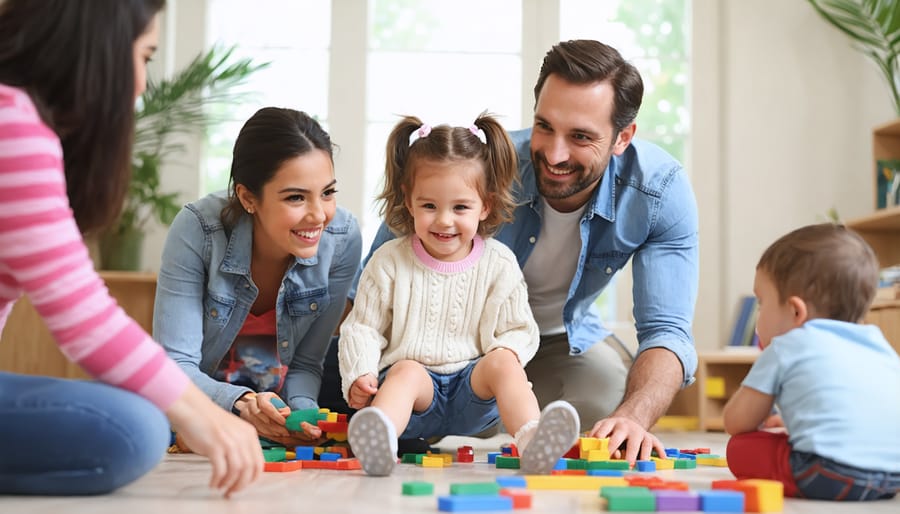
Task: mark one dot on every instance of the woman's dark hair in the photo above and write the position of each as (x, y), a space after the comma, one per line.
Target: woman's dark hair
(75, 60)
(270, 137)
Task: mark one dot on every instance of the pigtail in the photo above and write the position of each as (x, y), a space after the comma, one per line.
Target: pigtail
(396, 177)
(501, 174)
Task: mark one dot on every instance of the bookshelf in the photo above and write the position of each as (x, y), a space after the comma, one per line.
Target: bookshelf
(881, 229)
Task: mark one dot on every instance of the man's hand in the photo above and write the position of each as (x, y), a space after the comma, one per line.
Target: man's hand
(362, 391)
(639, 442)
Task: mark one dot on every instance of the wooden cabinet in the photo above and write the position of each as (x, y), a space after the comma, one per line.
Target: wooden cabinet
(27, 347)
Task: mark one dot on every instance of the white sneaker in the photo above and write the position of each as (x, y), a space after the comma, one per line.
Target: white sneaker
(557, 431)
(373, 440)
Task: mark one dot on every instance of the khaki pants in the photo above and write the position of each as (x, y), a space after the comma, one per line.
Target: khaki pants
(593, 382)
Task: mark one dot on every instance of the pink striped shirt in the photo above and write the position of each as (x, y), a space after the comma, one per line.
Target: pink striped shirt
(43, 255)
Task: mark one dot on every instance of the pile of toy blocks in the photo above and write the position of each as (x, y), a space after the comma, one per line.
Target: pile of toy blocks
(334, 453)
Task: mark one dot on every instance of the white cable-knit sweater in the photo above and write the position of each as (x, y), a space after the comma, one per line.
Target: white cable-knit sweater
(442, 314)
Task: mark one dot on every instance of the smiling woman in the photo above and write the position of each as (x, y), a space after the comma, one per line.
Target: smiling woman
(253, 281)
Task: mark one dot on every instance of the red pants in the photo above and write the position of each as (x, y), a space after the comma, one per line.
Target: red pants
(762, 455)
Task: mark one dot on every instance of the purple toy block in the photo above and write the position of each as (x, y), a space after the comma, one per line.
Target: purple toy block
(677, 501)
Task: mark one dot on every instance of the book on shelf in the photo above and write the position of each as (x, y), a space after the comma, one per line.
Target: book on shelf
(743, 332)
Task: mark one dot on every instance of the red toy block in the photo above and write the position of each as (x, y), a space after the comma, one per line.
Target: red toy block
(337, 427)
(573, 453)
(568, 472)
(283, 467)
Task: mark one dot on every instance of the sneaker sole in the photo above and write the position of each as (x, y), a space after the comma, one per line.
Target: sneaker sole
(556, 432)
(369, 434)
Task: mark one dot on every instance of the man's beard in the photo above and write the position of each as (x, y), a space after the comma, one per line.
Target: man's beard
(556, 191)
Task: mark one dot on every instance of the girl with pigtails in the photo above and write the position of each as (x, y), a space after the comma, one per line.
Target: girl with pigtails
(441, 329)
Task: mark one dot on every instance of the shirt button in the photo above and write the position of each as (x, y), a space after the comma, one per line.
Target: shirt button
(284, 344)
(214, 313)
(532, 239)
(608, 270)
(313, 306)
(247, 285)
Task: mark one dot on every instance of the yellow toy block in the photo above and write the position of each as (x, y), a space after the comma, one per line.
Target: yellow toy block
(588, 444)
(571, 482)
(715, 387)
(337, 436)
(432, 462)
(662, 464)
(332, 417)
(289, 455)
(677, 423)
(719, 462)
(596, 455)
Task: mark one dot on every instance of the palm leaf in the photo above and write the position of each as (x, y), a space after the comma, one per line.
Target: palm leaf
(874, 27)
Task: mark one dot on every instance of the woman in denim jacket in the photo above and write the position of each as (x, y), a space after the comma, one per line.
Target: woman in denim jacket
(252, 283)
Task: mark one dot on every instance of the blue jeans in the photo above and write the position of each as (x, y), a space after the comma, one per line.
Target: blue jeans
(824, 479)
(455, 409)
(74, 437)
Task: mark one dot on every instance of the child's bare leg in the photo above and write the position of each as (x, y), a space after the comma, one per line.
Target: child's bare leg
(407, 387)
(500, 375)
(542, 437)
(373, 431)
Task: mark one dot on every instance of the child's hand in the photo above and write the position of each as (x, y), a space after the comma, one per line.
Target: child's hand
(259, 411)
(362, 391)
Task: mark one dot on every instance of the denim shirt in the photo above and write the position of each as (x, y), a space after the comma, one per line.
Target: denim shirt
(205, 292)
(643, 209)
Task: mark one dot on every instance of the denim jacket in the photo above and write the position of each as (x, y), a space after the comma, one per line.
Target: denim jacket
(205, 292)
(643, 209)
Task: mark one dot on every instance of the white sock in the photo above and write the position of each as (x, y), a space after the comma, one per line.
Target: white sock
(524, 434)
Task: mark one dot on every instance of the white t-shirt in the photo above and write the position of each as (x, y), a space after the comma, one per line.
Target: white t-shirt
(551, 266)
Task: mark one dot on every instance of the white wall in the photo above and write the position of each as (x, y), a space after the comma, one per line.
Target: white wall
(782, 111)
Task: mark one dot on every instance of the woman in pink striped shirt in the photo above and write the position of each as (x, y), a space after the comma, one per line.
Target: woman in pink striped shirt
(70, 71)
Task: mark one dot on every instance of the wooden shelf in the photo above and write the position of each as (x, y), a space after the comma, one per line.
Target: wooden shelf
(731, 366)
(28, 347)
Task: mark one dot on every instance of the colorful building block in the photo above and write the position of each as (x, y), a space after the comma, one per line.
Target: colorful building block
(521, 499)
(474, 503)
(418, 488)
(677, 501)
(283, 467)
(629, 499)
(721, 501)
(566, 482)
(475, 488)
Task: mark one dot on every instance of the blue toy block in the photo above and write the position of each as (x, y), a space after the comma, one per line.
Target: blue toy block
(672, 452)
(474, 503)
(645, 465)
(329, 456)
(305, 452)
(605, 472)
(492, 457)
(511, 481)
(561, 464)
(718, 500)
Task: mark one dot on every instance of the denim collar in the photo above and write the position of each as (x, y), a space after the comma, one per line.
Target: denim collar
(239, 251)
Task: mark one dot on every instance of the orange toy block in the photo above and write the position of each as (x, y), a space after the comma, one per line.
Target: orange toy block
(283, 467)
(333, 426)
(759, 495)
(572, 472)
(520, 497)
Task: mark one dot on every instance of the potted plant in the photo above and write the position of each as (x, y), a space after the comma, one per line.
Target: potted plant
(874, 25)
(168, 111)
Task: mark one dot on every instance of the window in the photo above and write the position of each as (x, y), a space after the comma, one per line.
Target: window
(294, 36)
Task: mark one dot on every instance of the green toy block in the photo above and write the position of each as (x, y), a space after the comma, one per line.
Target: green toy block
(275, 454)
(292, 422)
(411, 458)
(576, 464)
(418, 488)
(608, 464)
(685, 464)
(630, 499)
(507, 462)
(491, 488)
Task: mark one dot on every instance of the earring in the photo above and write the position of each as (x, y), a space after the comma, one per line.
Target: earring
(249, 210)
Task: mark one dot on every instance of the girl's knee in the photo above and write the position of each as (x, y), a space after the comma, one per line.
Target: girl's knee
(406, 368)
(500, 360)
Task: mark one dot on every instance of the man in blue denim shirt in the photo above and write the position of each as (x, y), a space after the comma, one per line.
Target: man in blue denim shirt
(591, 198)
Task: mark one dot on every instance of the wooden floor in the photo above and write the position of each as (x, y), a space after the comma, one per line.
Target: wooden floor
(178, 486)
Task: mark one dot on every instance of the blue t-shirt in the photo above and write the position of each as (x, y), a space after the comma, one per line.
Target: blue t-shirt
(837, 385)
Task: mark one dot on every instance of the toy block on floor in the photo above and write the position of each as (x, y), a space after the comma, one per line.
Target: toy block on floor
(721, 501)
(608, 464)
(432, 462)
(630, 499)
(662, 464)
(283, 467)
(677, 501)
(274, 454)
(474, 503)
(645, 465)
(521, 499)
(570, 472)
(507, 481)
(759, 495)
(418, 488)
(492, 457)
(506, 462)
(685, 463)
(465, 454)
(716, 461)
(304, 452)
(566, 482)
(593, 448)
(475, 488)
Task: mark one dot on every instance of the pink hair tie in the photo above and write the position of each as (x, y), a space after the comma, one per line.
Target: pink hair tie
(419, 133)
(478, 133)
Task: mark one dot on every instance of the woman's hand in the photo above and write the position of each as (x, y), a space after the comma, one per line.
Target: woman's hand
(362, 391)
(230, 444)
(258, 410)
